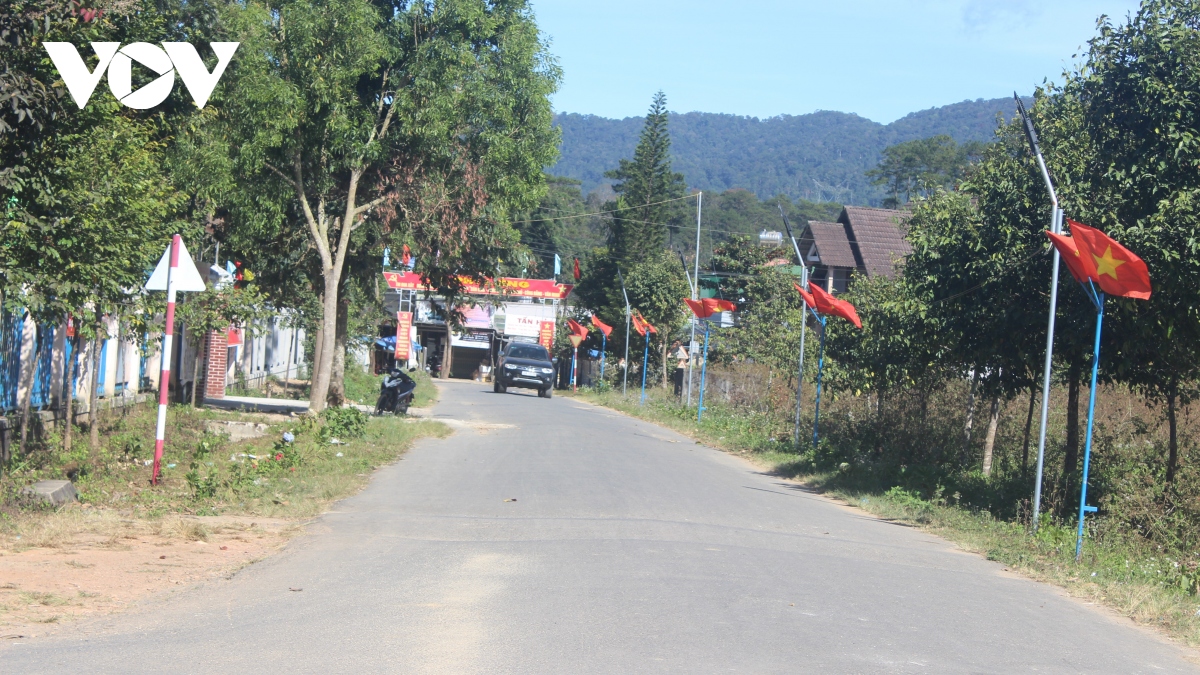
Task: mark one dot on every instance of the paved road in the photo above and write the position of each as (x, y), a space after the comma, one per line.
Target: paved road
(628, 549)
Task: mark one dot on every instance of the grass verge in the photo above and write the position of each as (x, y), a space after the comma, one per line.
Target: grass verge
(204, 472)
(1152, 586)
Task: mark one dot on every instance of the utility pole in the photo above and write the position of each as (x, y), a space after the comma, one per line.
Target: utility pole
(625, 374)
(1056, 215)
(695, 296)
(803, 325)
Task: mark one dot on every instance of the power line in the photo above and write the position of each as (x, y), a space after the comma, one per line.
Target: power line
(600, 213)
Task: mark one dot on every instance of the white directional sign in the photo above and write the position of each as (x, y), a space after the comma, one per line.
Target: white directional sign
(187, 277)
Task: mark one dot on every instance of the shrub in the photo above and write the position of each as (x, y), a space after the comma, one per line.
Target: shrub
(342, 423)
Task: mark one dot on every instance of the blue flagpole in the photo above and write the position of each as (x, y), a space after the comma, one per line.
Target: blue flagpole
(603, 353)
(1098, 300)
(703, 370)
(820, 371)
(645, 367)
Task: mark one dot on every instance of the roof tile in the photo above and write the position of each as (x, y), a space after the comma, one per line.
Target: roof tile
(878, 235)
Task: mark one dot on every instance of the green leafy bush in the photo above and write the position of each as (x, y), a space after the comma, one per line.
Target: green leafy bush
(342, 424)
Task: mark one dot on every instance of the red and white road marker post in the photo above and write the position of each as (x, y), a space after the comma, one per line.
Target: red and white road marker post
(175, 272)
(164, 380)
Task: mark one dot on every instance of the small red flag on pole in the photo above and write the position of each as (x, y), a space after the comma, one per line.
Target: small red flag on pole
(603, 327)
(827, 304)
(808, 298)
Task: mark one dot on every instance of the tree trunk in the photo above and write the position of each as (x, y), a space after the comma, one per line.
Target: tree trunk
(94, 396)
(879, 427)
(69, 395)
(1028, 429)
(25, 405)
(447, 352)
(1071, 456)
(970, 423)
(1072, 450)
(664, 361)
(337, 373)
(1173, 452)
(196, 369)
(318, 340)
(324, 361)
(989, 444)
(25, 380)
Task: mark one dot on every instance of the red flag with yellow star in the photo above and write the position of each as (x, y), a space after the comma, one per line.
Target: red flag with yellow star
(715, 305)
(1119, 271)
(641, 325)
(808, 298)
(698, 308)
(1081, 267)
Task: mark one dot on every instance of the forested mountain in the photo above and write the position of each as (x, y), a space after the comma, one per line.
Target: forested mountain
(820, 156)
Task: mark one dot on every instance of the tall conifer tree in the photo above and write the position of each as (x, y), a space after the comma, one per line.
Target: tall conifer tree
(642, 214)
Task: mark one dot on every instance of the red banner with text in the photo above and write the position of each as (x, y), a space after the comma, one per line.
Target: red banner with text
(403, 341)
(546, 335)
(522, 288)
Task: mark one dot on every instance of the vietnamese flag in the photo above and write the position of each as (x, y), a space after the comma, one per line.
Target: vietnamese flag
(576, 328)
(827, 304)
(1081, 267)
(641, 325)
(604, 328)
(405, 256)
(1119, 271)
(808, 298)
(698, 308)
(849, 313)
(577, 269)
(714, 305)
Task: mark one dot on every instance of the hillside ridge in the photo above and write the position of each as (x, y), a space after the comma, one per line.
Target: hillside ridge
(818, 156)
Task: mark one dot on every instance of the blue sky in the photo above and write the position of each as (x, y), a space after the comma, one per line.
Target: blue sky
(880, 59)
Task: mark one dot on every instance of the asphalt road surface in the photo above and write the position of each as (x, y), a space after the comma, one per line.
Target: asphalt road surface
(578, 540)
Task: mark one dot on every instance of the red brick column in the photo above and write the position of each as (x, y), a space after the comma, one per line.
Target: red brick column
(216, 350)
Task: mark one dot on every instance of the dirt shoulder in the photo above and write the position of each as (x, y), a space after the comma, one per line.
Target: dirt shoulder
(86, 562)
(232, 493)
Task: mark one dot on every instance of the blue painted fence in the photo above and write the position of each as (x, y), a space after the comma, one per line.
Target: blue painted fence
(43, 395)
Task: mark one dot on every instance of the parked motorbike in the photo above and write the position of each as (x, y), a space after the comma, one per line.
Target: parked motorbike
(395, 393)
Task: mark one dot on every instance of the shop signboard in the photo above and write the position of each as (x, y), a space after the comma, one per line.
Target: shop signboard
(524, 325)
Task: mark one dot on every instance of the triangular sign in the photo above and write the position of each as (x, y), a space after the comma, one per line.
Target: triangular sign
(187, 277)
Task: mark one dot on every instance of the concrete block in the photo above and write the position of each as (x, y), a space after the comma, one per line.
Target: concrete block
(237, 431)
(57, 492)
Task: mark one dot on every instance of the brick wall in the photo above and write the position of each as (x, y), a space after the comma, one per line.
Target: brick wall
(216, 350)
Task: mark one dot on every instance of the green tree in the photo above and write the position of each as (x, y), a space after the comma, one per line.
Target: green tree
(917, 167)
(427, 121)
(657, 287)
(1136, 94)
(644, 212)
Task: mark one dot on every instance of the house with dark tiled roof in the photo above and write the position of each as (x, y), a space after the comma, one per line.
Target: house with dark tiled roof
(864, 240)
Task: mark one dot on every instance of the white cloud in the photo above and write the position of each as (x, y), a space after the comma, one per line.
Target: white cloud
(983, 14)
